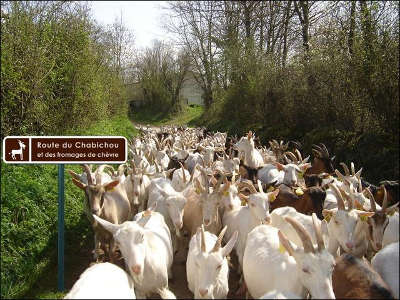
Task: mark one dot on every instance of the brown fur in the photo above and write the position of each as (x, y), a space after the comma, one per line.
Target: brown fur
(311, 201)
(354, 278)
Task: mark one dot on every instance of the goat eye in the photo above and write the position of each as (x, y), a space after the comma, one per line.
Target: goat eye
(252, 204)
(219, 267)
(305, 270)
(336, 222)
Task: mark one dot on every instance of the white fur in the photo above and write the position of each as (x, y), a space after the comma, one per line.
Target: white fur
(103, 281)
(146, 245)
(208, 271)
(386, 263)
(266, 269)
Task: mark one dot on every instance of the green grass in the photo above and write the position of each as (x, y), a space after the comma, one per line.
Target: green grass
(29, 222)
(190, 116)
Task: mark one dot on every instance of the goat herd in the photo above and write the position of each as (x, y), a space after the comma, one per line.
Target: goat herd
(299, 229)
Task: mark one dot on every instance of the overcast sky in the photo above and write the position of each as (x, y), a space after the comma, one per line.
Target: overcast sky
(143, 17)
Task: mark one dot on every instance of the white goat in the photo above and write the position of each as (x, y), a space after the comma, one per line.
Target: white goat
(146, 247)
(207, 266)
(245, 218)
(252, 157)
(103, 281)
(386, 263)
(342, 225)
(266, 268)
(277, 173)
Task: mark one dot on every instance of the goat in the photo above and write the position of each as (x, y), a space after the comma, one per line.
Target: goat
(296, 271)
(103, 281)
(146, 247)
(377, 224)
(108, 201)
(245, 218)
(355, 278)
(311, 200)
(342, 224)
(252, 157)
(386, 263)
(203, 208)
(322, 162)
(207, 265)
(279, 173)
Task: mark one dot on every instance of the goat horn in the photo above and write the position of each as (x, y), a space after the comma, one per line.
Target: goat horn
(339, 175)
(359, 185)
(298, 154)
(316, 153)
(318, 234)
(345, 168)
(384, 202)
(371, 198)
(339, 197)
(325, 150)
(353, 172)
(292, 156)
(217, 245)
(260, 186)
(247, 183)
(303, 234)
(203, 173)
(203, 239)
(88, 173)
(183, 172)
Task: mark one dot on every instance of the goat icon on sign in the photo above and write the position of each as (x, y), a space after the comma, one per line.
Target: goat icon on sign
(16, 149)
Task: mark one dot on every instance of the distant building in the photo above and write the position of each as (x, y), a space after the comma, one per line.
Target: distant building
(191, 91)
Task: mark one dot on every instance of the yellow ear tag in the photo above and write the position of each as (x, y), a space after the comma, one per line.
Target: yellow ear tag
(327, 218)
(112, 190)
(272, 198)
(197, 191)
(299, 191)
(300, 175)
(363, 218)
(270, 189)
(281, 248)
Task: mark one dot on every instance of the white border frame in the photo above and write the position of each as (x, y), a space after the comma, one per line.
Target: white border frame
(62, 161)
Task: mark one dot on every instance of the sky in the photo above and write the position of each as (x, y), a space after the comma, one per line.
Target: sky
(141, 17)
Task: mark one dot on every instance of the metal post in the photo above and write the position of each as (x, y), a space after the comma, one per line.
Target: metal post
(60, 227)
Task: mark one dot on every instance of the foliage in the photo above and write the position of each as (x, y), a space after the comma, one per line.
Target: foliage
(55, 73)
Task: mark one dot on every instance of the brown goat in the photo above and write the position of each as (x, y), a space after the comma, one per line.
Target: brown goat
(321, 162)
(354, 278)
(311, 201)
(392, 188)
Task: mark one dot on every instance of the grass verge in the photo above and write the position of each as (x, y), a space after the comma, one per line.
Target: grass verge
(29, 223)
(148, 115)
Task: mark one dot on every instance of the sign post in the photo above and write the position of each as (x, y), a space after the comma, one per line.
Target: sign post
(60, 227)
(63, 150)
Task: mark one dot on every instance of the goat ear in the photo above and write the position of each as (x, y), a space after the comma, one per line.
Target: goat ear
(79, 184)
(367, 214)
(110, 227)
(229, 246)
(305, 166)
(109, 186)
(327, 213)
